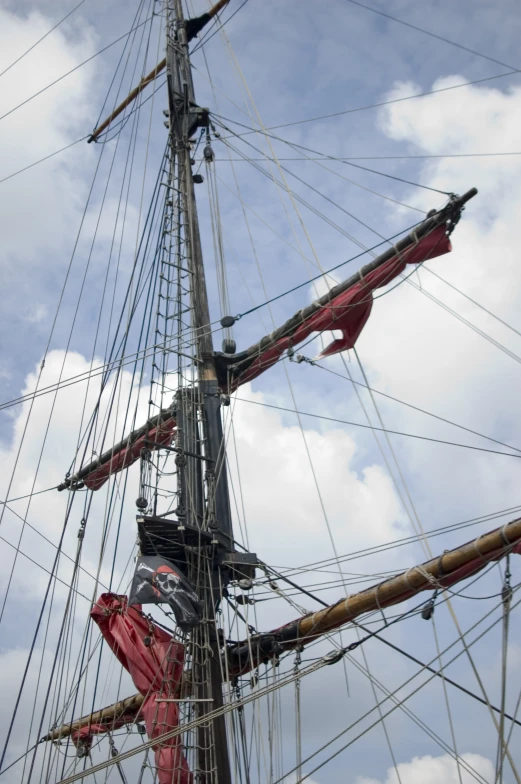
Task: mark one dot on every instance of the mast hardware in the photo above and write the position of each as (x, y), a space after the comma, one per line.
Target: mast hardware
(192, 28)
(175, 539)
(181, 451)
(491, 546)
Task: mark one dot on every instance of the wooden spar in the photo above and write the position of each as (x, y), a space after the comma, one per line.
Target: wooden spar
(130, 97)
(76, 479)
(446, 569)
(150, 77)
(231, 366)
(449, 568)
(129, 706)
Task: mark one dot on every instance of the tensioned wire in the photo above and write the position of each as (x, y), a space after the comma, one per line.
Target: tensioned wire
(435, 299)
(431, 34)
(87, 265)
(251, 698)
(268, 159)
(381, 103)
(33, 46)
(306, 445)
(399, 690)
(409, 712)
(59, 305)
(483, 334)
(401, 542)
(59, 79)
(241, 78)
(247, 312)
(379, 429)
(219, 120)
(336, 158)
(42, 717)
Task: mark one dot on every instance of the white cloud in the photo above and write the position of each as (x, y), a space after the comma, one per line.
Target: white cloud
(52, 192)
(433, 770)
(410, 348)
(418, 352)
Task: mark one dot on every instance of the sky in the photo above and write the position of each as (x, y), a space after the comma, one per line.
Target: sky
(306, 484)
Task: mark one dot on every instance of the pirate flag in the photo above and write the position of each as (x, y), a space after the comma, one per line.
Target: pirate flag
(156, 580)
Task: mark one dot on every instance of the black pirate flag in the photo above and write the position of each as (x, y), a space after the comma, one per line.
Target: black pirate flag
(156, 580)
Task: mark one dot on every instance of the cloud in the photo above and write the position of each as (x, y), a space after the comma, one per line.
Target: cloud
(43, 125)
(432, 770)
(410, 348)
(419, 352)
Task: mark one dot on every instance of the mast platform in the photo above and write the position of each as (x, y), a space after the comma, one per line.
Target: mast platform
(174, 540)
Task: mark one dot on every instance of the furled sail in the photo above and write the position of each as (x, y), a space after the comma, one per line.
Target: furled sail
(347, 306)
(155, 663)
(156, 432)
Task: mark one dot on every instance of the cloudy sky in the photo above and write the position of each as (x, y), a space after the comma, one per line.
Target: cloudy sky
(305, 483)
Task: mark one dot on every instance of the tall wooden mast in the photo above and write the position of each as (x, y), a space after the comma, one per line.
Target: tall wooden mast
(204, 502)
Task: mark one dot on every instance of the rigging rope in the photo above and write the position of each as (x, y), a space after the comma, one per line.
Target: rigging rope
(429, 33)
(63, 19)
(51, 84)
(315, 152)
(381, 103)
(380, 429)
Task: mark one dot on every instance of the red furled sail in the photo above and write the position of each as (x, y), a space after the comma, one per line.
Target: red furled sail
(155, 663)
(348, 311)
(161, 435)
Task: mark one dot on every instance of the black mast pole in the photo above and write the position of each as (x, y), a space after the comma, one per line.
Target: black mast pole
(198, 411)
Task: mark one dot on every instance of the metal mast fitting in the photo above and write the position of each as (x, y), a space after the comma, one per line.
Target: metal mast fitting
(193, 28)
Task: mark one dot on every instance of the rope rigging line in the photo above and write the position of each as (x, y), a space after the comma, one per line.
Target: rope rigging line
(463, 320)
(103, 368)
(205, 39)
(315, 565)
(58, 551)
(275, 721)
(325, 273)
(100, 139)
(395, 692)
(380, 429)
(372, 157)
(63, 19)
(358, 185)
(323, 661)
(381, 103)
(295, 197)
(51, 84)
(431, 34)
(316, 152)
(324, 196)
(506, 596)
(365, 670)
(51, 333)
(46, 433)
(482, 307)
(415, 408)
(139, 11)
(317, 260)
(46, 158)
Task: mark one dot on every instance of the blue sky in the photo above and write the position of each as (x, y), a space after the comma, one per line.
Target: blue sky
(299, 60)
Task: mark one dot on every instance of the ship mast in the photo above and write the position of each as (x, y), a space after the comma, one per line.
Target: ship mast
(203, 501)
